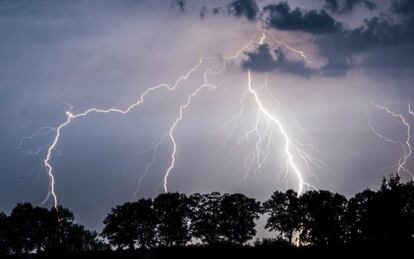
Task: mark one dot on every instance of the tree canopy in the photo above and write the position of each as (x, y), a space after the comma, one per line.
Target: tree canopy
(315, 218)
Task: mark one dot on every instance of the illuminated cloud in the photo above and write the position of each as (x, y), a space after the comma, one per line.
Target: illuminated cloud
(262, 60)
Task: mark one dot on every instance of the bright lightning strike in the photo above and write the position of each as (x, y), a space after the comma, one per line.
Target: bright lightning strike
(172, 130)
(288, 47)
(263, 130)
(71, 116)
(264, 116)
(288, 142)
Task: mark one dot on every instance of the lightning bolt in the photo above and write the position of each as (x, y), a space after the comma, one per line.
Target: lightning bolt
(149, 165)
(172, 131)
(264, 134)
(288, 142)
(406, 144)
(264, 114)
(288, 47)
(41, 132)
(183, 107)
(72, 116)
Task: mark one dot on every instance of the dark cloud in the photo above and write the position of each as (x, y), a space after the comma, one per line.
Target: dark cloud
(180, 4)
(203, 12)
(282, 17)
(340, 45)
(385, 44)
(217, 10)
(381, 42)
(237, 8)
(376, 32)
(346, 6)
(261, 60)
(244, 8)
(292, 67)
(404, 7)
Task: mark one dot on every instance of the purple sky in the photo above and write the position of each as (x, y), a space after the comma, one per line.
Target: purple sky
(73, 55)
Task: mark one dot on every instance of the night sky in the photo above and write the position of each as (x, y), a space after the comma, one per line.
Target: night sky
(58, 56)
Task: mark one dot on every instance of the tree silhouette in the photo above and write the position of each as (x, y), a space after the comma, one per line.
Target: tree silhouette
(34, 229)
(146, 221)
(359, 218)
(285, 213)
(323, 218)
(4, 242)
(63, 235)
(76, 239)
(383, 218)
(172, 211)
(406, 197)
(392, 211)
(386, 215)
(60, 224)
(28, 228)
(206, 217)
(131, 224)
(119, 227)
(238, 215)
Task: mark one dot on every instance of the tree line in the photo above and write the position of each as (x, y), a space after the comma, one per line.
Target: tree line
(315, 218)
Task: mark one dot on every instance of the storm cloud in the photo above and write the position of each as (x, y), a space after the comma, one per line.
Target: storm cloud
(180, 4)
(282, 17)
(246, 8)
(381, 42)
(347, 6)
(385, 44)
(262, 60)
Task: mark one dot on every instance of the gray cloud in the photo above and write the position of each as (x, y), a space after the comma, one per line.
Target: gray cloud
(347, 6)
(404, 7)
(377, 38)
(282, 17)
(336, 42)
(238, 8)
(180, 4)
(261, 60)
(244, 8)
(292, 67)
